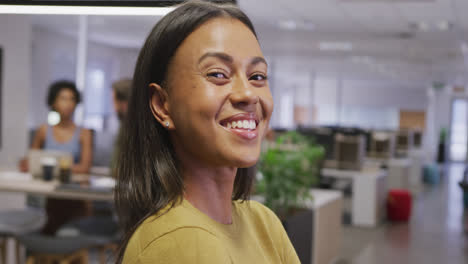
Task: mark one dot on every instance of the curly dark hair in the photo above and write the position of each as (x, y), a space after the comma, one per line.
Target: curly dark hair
(56, 87)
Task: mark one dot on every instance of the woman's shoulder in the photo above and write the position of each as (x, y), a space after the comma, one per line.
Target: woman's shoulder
(42, 128)
(180, 245)
(166, 221)
(163, 222)
(165, 233)
(85, 131)
(256, 211)
(254, 207)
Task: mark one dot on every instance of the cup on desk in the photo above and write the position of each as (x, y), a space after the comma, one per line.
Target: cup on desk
(48, 166)
(65, 164)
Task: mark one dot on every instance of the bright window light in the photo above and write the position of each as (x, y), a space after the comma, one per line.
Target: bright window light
(84, 10)
(53, 118)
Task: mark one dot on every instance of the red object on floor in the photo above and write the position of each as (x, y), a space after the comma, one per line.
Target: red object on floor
(399, 205)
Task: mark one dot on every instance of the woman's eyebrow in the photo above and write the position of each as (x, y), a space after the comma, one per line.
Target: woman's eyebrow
(220, 55)
(257, 60)
(229, 59)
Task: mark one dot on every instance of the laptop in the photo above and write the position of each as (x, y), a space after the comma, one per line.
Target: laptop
(35, 158)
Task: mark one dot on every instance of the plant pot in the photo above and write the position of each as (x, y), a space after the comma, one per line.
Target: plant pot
(464, 187)
(299, 227)
(441, 153)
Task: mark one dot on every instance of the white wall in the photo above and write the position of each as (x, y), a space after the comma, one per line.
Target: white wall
(53, 58)
(380, 94)
(334, 98)
(15, 39)
(371, 104)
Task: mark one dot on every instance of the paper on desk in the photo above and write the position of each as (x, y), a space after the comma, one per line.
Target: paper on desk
(102, 182)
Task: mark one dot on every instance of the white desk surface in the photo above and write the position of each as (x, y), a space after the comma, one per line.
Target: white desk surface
(320, 197)
(19, 182)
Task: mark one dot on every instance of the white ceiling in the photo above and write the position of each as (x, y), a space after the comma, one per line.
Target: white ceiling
(376, 29)
(384, 45)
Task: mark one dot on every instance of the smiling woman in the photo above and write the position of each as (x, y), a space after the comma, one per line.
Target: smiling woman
(198, 113)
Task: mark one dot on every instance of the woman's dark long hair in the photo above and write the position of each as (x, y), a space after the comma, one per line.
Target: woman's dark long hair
(148, 171)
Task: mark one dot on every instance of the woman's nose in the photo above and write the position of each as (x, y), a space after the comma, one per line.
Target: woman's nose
(243, 93)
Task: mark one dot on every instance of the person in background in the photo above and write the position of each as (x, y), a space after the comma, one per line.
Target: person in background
(63, 97)
(121, 91)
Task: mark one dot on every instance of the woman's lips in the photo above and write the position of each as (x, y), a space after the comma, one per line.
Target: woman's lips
(243, 125)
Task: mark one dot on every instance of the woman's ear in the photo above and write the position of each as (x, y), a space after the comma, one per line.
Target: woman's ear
(159, 105)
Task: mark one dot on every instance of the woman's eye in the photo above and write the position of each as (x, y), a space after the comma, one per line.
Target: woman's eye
(258, 77)
(218, 75)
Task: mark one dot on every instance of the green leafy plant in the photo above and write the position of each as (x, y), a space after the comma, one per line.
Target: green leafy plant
(443, 135)
(289, 168)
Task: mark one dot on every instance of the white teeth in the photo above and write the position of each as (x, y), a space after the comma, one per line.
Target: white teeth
(245, 124)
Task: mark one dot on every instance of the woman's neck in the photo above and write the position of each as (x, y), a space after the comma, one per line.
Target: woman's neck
(210, 191)
(65, 122)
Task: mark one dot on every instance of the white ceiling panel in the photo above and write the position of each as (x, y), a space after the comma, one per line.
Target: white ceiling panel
(432, 11)
(314, 9)
(262, 10)
(376, 17)
(379, 31)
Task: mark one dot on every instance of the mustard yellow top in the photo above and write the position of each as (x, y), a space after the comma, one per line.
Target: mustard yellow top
(186, 235)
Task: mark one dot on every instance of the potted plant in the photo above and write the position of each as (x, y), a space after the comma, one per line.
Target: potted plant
(464, 186)
(289, 168)
(441, 148)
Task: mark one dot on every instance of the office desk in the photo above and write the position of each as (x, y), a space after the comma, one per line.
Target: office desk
(326, 207)
(406, 173)
(23, 184)
(369, 194)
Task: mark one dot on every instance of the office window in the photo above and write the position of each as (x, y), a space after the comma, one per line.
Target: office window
(458, 130)
(95, 98)
(358, 116)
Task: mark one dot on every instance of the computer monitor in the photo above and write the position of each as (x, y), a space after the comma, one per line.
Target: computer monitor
(382, 144)
(417, 138)
(350, 151)
(325, 137)
(404, 142)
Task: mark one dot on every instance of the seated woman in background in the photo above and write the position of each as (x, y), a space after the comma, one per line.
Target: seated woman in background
(66, 136)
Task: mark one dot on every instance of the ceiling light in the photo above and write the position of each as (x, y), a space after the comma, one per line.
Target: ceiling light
(443, 25)
(335, 46)
(288, 24)
(84, 10)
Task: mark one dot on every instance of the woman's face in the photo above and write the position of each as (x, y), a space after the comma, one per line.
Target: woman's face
(65, 103)
(219, 101)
